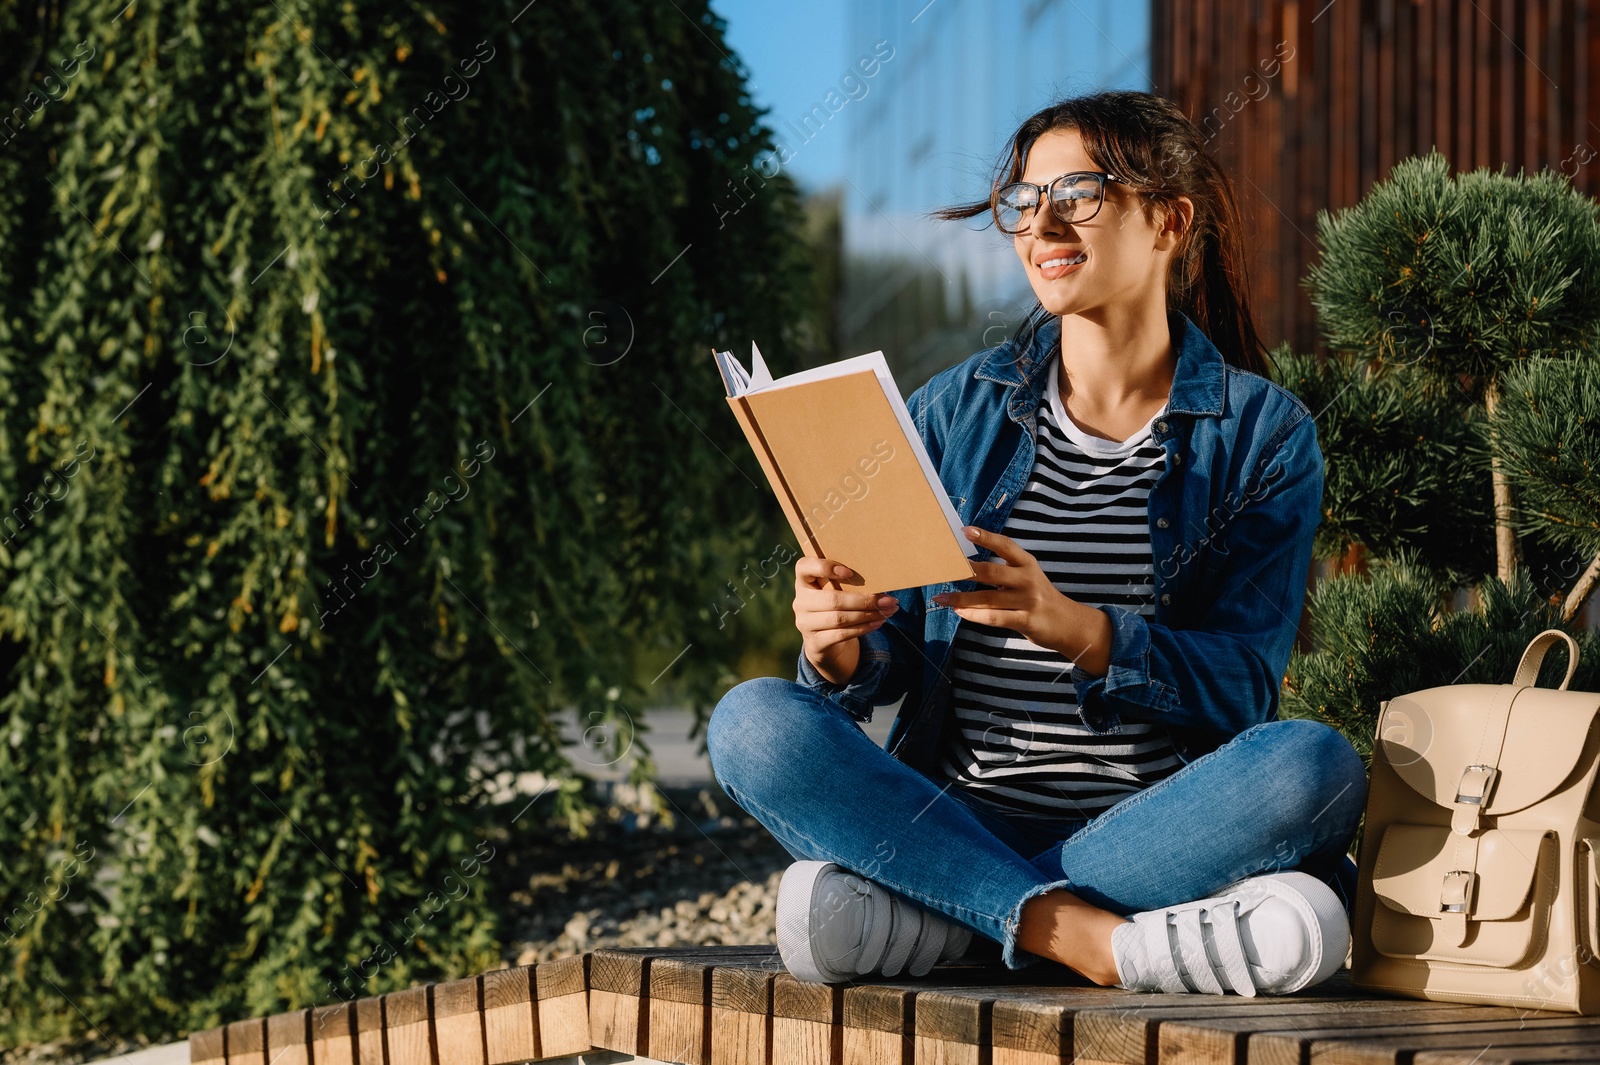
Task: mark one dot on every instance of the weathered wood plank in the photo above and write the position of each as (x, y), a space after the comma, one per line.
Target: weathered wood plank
(333, 1034)
(289, 1038)
(879, 1024)
(807, 1022)
(1292, 1046)
(619, 1010)
(1498, 1055)
(458, 1022)
(741, 1010)
(510, 1016)
(1128, 1031)
(407, 1028)
(562, 990)
(1203, 1039)
(370, 1036)
(247, 1042)
(1545, 1035)
(678, 985)
(209, 1047)
(951, 1029)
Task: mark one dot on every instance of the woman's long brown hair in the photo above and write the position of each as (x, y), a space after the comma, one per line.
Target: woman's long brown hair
(1148, 141)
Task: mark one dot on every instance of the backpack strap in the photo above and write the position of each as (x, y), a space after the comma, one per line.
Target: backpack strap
(1457, 901)
(1528, 668)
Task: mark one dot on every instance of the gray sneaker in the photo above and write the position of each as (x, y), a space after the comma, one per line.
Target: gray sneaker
(834, 926)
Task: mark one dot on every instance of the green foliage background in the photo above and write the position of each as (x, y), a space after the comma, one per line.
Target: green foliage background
(316, 514)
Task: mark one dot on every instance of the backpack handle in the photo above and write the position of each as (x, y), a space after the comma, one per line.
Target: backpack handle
(1533, 657)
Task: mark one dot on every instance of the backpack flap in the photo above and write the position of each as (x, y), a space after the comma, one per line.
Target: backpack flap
(1462, 748)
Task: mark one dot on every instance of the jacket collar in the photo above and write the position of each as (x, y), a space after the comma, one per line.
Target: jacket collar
(1197, 381)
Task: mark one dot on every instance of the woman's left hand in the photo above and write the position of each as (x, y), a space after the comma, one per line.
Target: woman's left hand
(1023, 599)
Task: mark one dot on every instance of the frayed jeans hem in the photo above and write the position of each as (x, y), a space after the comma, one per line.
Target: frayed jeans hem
(1011, 955)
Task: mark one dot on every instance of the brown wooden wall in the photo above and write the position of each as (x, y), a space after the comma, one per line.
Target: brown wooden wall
(1308, 103)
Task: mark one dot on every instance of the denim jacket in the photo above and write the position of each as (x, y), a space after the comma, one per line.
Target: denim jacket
(1232, 515)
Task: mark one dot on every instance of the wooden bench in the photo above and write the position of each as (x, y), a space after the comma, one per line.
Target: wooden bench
(735, 1005)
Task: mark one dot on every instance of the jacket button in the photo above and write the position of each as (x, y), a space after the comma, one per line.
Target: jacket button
(1177, 458)
(1166, 600)
(1161, 523)
(1162, 426)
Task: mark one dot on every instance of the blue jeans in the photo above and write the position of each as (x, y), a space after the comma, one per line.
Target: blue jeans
(1279, 795)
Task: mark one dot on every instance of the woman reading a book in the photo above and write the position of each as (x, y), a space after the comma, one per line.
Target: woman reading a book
(1088, 766)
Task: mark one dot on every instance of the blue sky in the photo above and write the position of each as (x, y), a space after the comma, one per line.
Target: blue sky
(794, 53)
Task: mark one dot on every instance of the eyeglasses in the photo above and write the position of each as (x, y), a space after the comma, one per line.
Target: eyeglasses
(1075, 197)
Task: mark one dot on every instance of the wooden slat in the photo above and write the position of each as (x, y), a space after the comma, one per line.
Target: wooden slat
(680, 1009)
(561, 988)
(1399, 1049)
(370, 1037)
(333, 1034)
(619, 1016)
(1506, 1055)
(1130, 1030)
(1228, 1038)
(1488, 82)
(209, 1047)
(1293, 1047)
(1029, 1023)
(247, 1042)
(458, 1022)
(678, 985)
(952, 1023)
(741, 1011)
(407, 1028)
(1030, 1032)
(807, 1022)
(510, 1018)
(951, 1028)
(879, 1025)
(289, 1038)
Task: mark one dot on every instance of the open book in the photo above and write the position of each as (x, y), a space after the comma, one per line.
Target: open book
(850, 471)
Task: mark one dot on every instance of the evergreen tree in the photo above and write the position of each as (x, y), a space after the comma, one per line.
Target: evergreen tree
(338, 343)
(1455, 419)
(1463, 278)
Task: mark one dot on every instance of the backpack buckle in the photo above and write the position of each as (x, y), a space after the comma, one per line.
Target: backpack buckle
(1477, 781)
(1455, 894)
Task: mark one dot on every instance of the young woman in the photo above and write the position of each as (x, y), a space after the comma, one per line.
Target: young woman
(1088, 766)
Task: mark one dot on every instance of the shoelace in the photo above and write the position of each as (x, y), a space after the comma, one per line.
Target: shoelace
(1186, 949)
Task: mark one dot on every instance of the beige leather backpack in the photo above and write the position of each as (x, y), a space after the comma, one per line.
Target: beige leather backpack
(1479, 878)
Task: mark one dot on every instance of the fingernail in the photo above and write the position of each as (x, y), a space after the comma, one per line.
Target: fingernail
(839, 571)
(972, 532)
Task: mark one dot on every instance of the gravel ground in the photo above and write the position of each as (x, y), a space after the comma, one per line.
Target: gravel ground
(709, 878)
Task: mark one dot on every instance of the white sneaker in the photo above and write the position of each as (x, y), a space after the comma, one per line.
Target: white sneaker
(1273, 934)
(834, 926)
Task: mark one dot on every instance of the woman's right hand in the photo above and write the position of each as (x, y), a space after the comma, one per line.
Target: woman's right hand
(832, 622)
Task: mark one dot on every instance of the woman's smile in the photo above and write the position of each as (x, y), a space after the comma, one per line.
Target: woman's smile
(1060, 263)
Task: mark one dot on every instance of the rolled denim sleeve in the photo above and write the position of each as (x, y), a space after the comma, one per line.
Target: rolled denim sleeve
(856, 696)
(883, 674)
(1224, 674)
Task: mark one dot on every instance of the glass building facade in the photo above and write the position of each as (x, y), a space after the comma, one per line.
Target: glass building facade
(962, 75)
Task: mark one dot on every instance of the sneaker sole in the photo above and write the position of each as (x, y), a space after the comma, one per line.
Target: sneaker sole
(795, 891)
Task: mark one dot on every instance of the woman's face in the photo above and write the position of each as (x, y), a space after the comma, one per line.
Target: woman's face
(1124, 256)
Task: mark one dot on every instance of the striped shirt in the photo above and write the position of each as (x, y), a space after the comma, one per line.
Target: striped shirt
(1016, 741)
